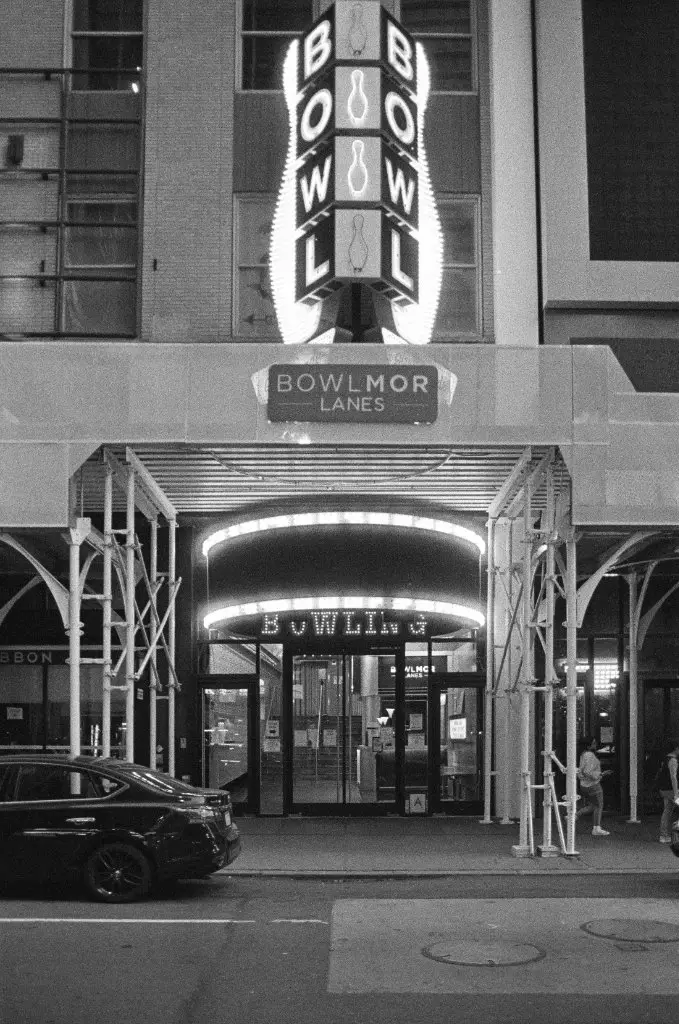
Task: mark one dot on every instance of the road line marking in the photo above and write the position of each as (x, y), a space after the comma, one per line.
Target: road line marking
(298, 920)
(126, 920)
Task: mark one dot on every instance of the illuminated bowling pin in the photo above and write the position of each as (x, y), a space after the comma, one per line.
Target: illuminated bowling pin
(358, 172)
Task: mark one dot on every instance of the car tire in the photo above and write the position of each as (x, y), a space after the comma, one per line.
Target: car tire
(117, 873)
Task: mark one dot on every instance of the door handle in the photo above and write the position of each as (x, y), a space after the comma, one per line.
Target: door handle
(80, 821)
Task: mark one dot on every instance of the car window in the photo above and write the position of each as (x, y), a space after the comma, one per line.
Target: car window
(104, 785)
(53, 782)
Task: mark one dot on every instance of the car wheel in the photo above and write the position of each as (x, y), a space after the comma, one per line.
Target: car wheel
(117, 873)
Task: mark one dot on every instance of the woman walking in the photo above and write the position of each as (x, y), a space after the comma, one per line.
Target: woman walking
(590, 775)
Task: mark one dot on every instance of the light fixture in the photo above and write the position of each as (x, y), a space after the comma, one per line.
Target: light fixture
(383, 720)
(338, 603)
(390, 712)
(348, 518)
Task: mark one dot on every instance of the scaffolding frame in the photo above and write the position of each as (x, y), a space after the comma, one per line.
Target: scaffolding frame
(530, 588)
(144, 631)
(540, 531)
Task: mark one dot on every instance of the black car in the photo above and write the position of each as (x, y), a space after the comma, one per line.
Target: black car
(118, 828)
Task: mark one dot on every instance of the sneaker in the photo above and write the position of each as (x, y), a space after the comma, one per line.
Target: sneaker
(665, 839)
(598, 831)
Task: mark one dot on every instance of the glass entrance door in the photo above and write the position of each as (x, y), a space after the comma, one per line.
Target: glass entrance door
(226, 756)
(344, 730)
(457, 736)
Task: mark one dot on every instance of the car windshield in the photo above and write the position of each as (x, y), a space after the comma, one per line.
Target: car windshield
(157, 780)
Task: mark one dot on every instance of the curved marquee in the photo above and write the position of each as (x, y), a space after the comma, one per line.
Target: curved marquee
(355, 518)
(418, 606)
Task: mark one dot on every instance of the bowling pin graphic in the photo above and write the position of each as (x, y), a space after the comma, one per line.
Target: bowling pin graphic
(357, 176)
(358, 35)
(357, 104)
(358, 247)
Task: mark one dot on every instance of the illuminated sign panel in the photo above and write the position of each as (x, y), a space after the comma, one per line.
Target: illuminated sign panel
(356, 202)
(352, 393)
(371, 618)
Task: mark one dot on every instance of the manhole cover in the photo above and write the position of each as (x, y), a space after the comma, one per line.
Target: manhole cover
(468, 952)
(625, 930)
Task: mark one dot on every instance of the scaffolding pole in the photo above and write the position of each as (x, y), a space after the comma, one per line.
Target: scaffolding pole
(633, 698)
(524, 847)
(153, 629)
(490, 678)
(172, 678)
(571, 688)
(547, 849)
(107, 602)
(76, 536)
(506, 818)
(130, 539)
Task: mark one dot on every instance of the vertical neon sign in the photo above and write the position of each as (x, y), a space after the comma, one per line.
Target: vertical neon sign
(356, 202)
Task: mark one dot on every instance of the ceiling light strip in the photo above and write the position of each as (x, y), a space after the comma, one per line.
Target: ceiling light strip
(305, 519)
(416, 605)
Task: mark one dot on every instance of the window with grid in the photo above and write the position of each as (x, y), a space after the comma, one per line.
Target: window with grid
(253, 310)
(107, 43)
(459, 312)
(446, 30)
(267, 29)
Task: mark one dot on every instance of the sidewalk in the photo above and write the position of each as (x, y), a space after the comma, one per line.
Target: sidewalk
(422, 847)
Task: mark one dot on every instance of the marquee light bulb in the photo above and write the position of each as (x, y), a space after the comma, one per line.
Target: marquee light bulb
(299, 520)
(337, 603)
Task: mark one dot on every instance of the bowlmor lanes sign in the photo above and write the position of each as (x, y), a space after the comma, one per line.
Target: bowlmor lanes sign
(353, 393)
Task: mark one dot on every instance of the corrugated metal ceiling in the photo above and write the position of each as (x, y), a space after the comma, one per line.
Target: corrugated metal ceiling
(224, 479)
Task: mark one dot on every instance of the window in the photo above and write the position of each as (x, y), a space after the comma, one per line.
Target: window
(253, 313)
(445, 29)
(100, 264)
(38, 782)
(107, 43)
(268, 27)
(459, 306)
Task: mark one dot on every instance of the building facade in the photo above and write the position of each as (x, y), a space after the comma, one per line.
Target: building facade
(369, 604)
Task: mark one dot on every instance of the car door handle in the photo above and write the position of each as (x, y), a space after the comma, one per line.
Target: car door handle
(80, 821)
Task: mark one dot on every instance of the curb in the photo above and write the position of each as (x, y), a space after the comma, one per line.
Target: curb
(446, 873)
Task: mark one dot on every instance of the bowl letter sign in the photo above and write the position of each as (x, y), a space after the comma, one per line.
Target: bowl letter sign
(356, 203)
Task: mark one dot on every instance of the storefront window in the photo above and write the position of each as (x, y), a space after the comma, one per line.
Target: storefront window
(22, 720)
(270, 710)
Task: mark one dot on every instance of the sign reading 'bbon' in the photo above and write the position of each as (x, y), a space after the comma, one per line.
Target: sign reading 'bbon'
(352, 393)
(356, 203)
